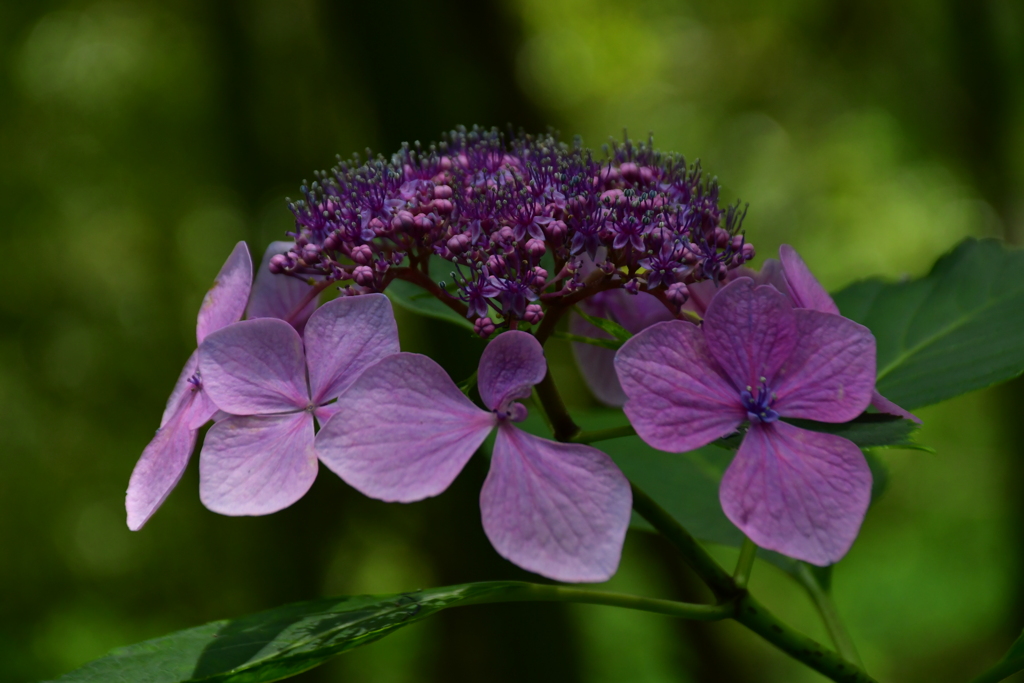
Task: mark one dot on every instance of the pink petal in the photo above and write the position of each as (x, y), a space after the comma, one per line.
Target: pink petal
(225, 302)
(884, 405)
(278, 296)
(403, 431)
(255, 367)
(559, 510)
(344, 337)
(804, 288)
(750, 331)
(255, 465)
(509, 367)
(182, 391)
(596, 364)
(677, 401)
(159, 470)
(800, 493)
(831, 374)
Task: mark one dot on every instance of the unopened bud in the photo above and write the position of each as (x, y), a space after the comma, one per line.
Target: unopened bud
(533, 314)
(484, 327)
(362, 254)
(536, 248)
(443, 192)
(363, 275)
(459, 243)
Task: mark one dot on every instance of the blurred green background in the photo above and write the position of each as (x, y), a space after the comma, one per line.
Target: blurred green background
(140, 140)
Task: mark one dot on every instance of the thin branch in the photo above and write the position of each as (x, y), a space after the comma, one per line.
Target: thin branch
(829, 614)
(604, 434)
(741, 576)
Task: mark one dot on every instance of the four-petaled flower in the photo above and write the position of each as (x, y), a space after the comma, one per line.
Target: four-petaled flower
(273, 383)
(756, 359)
(189, 407)
(406, 431)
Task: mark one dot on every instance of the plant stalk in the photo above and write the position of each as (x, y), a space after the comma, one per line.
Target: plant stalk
(829, 614)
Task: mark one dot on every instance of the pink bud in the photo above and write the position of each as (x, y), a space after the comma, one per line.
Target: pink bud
(363, 275)
(459, 243)
(443, 192)
(630, 171)
(556, 231)
(748, 251)
(484, 327)
(362, 254)
(278, 263)
(496, 265)
(403, 220)
(721, 237)
(535, 248)
(311, 253)
(677, 293)
(533, 314)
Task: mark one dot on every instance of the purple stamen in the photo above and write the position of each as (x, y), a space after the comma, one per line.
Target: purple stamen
(758, 405)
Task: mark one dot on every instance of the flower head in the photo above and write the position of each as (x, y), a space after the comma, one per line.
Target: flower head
(273, 383)
(406, 431)
(757, 359)
(190, 407)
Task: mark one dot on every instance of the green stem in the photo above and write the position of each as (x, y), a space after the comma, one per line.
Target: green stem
(829, 614)
(604, 434)
(749, 611)
(741, 576)
(536, 592)
(1001, 670)
(562, 425)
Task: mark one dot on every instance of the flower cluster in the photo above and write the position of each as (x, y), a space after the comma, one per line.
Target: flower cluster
(528, 227)
(518, 219)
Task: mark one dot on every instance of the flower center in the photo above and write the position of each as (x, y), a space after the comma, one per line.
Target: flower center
(758, 403)
(196, 381)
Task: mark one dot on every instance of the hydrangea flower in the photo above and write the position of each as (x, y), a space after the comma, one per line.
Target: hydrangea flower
(807, 292)
(406, 431)
(757, 359)
(164, 460)
(273, 383)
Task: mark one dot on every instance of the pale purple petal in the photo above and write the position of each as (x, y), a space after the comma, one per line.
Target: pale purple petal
(556, 509)
(225, 302)
(635, 312)
(159, 470)
(596, 364)
(830, 375)
(804, 288)
(255, 465)
(279, 296)
(403, 430)
(344, 337)
(677, 401)
(509, 367)
(701, 293)
(884, 405)
(255, 367)
(801, 493)
(182, 388)
(750, 331)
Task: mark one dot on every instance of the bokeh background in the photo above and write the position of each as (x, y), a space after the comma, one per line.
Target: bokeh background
(140, 139)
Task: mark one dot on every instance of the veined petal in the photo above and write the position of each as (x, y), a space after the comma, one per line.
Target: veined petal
(403, 430)
(509, 367)
(800, 493)
(277, 295)
(159, 470)
(225, 302)
(884, 405)
(830, 376)
(804, 288)
(596, 364)
(344, 337)
(255, 465)
(182, 388)
(559, 510)
(750, 331)
(255, 367)
(676, 398)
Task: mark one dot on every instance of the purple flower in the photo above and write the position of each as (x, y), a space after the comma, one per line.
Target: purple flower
(807, 292)
(755, 359)
(163, 461)
(557, 509)
(273, 383)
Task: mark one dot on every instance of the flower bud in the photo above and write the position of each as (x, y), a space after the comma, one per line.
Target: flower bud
(459, 243)
(484, 327)
(443, 206)
(403, 220)
(748, 251)
(310, 253)
(721, 237)
(677, 293)
(533, 314)
(443, 192)
(362, 254)
(278, 263)
(556, 231)
(535, 248)
(363, 275)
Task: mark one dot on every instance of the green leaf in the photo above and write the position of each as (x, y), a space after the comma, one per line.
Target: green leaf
(419, 300)
(959, 328)
(275, 644)
(870, 430)
(1011, 663)
(617, 331)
